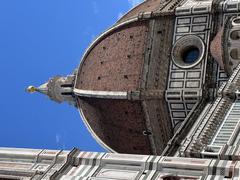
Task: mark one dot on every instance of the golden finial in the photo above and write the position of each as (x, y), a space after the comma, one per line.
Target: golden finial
(31, 89)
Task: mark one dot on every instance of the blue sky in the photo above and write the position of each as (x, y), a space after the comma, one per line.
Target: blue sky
(40, 39)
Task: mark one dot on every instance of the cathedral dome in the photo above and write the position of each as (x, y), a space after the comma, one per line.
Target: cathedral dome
(120, 92)
(114, 63)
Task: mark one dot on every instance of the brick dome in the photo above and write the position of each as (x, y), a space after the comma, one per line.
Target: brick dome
(121, 84)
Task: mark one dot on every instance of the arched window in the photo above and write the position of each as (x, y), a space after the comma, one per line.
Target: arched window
(235, 54)
(235, 35)
(236, 20)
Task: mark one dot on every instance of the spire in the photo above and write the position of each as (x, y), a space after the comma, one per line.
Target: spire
(58, 89)
(41, 89)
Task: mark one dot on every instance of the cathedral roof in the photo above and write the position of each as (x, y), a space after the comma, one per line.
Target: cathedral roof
(121, 101)
(114, 63)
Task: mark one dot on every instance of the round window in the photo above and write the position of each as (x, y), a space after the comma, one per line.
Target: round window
(188, 51)
(190, 55)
